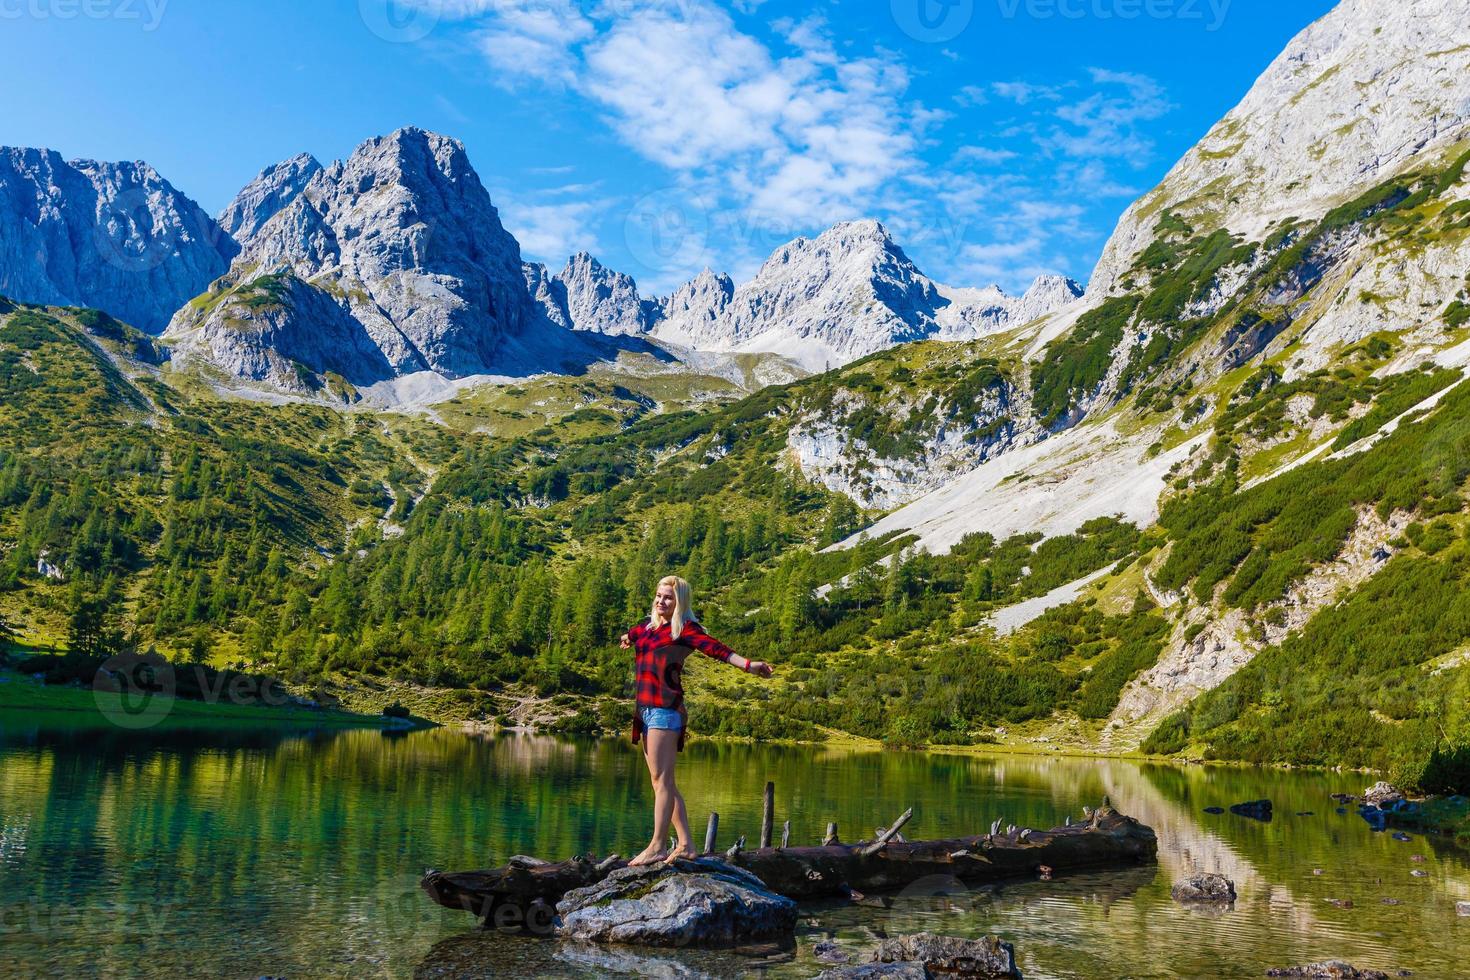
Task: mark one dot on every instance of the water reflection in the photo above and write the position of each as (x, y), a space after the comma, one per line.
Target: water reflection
(232, 852)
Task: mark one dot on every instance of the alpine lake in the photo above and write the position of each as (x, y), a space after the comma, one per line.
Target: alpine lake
(230, 851)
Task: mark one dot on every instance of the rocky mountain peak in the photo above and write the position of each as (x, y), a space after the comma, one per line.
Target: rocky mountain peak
(116, 236)
(263, 198)
(841, 295)
(404, 238)
(602, 300)
(1352, 99)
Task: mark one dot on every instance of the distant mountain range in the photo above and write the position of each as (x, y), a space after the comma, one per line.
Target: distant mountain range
(395, 262)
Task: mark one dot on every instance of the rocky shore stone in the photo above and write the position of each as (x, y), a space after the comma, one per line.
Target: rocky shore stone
(1382, 795)
(925, 955)
(1204, 889)
(947, 955)
(704, 902)
(1328, 970)
(872, 971)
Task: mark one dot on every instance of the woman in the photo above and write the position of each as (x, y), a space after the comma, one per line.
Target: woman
(661, 643)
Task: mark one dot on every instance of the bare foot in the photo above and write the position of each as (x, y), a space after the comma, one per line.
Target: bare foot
(652, 854)
(683, 852)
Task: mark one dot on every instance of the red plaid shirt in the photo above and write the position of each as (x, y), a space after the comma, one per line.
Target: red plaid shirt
(659, 671)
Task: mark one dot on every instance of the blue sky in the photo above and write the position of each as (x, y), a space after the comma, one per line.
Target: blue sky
(998, 139)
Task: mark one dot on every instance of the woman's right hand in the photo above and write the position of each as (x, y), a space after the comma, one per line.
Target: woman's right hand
(625, 641)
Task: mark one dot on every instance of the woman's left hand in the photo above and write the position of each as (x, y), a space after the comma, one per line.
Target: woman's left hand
(759, 668)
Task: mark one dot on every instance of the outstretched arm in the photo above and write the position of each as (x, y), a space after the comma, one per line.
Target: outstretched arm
(697, 638)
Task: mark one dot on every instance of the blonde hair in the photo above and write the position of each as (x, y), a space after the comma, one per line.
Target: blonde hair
(683, 605)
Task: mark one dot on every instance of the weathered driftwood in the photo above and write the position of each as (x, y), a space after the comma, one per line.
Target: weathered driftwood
(884, 836)
(768, 814)
(711, 832)
(1106, 839)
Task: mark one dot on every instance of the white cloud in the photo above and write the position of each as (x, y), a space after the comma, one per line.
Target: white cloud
(1105, 124)
(778, 130)
(983, 155)
(972, 95)
(802, 135)
(1023, 93)
(534, 40)
(549, 232)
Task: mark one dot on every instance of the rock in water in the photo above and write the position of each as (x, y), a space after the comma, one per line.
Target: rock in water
(829, 952)
(951, 957)
(692, 903)
(1462, 908)
(1255, 810)
(874, 971)
(1204, 889)
(1382, 795)
(1328, 970)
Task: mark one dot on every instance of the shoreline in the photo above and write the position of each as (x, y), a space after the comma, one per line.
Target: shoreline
(19, 693)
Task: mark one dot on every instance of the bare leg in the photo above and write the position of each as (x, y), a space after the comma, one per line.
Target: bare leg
(660, 749)
(685, 847)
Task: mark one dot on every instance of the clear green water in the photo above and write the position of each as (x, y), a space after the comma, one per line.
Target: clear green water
(233, 853)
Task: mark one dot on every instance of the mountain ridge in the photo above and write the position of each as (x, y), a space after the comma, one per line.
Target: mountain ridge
(395, 262)
(116, 236)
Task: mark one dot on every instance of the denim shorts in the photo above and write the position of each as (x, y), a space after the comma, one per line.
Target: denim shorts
(663, 718)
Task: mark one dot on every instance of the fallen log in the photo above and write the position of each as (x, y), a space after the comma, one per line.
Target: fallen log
(1106, 839)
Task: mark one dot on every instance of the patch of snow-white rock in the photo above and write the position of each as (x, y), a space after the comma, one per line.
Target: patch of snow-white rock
(1053, 486)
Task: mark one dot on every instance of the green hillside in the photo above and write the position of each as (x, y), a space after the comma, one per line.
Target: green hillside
(496, 544)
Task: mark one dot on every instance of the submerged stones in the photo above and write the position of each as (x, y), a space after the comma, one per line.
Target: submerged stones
(1328, 970)
(1204, 889)
(1254, 809)
(703, 902)
(925, 955)
(873, 971)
